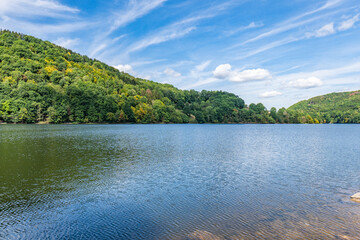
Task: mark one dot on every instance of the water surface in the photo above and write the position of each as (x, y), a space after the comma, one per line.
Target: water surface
(179, 181)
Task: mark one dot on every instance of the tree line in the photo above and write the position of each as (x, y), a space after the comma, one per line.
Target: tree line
(42, 82)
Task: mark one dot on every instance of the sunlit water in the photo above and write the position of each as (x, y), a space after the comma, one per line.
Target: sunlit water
(179, 181)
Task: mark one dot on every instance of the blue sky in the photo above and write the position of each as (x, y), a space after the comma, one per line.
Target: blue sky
(274, 52)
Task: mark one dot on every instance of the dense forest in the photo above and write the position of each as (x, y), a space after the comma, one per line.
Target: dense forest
(44, 83)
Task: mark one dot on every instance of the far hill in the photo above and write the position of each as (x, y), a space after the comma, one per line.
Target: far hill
(342, 107)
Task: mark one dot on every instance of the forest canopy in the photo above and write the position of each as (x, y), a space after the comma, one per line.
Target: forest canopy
(42, 82)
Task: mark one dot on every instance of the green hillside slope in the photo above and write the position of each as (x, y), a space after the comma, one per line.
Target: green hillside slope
(42, 82)
(343, 107)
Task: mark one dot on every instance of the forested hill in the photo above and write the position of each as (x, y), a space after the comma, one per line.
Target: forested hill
(42, 82)
(343, 107)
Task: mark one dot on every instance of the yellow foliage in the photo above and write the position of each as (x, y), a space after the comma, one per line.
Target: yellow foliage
(9, 80)
(309, 119)
(69, 53)
(48, 60)
(50, 69)
(76, 65)
(140, 111)
(68, 64)
(68, 70)
(31, 81)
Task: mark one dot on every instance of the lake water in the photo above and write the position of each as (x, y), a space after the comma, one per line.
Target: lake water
(179, 181)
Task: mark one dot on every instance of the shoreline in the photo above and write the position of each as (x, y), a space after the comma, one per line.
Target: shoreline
(171, 123)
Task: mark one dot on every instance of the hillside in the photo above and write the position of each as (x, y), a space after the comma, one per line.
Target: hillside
(343, 107)
(42, 82)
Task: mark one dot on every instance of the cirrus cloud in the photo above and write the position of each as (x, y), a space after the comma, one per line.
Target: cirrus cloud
(201, 67)
(347, 24)
(135, 9)
(33, 9)
(326, 30)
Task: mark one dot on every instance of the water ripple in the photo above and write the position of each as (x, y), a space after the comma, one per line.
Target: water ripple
(179, 182)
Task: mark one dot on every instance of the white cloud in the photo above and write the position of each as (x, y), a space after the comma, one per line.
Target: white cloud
(67, 42)
(125, 68)
(250, 75)
(270, 94)
(222, 71)
(305, 83)
(326, 30)
(172, 73)
(347, 24)
(329, 29)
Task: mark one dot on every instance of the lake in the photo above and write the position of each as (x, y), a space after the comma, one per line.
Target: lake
(179, 181)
